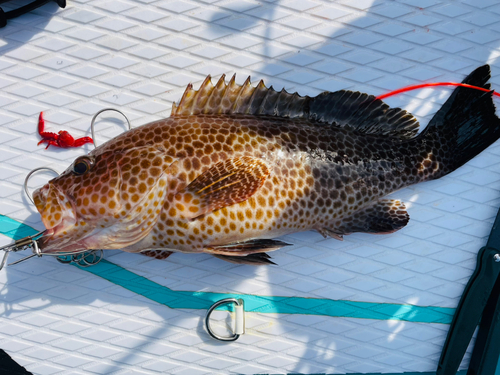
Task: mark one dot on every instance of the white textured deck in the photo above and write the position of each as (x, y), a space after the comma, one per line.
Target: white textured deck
(138, 56)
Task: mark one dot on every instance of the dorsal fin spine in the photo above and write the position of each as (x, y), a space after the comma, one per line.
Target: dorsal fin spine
(202, 95)
(189, 88)
(239, 96)
(221, 89)
(246, 96)
(230, 87)
(268, 105)
(255, 96)
(207, 108)
(295, 98)
(190, 99)
(285, 102)
(262, 105)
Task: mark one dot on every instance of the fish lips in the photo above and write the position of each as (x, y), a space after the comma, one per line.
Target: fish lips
(56, 209)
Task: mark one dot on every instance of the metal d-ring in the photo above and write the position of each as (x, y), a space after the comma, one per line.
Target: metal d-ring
(28, 177)
(101, 111)
(240, 319)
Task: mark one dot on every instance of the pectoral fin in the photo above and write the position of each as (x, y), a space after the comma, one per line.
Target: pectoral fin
(385, 216)
(226, 183)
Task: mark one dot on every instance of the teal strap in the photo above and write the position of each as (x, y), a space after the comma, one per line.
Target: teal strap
(253, 303)
(14, 229)
(270, 304)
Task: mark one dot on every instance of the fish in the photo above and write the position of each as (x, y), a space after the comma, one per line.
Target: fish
(237, 166)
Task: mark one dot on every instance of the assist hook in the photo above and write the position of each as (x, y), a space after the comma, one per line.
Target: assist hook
(101, 111)
(28, 194)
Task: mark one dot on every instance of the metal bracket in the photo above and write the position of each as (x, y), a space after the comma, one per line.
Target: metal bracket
(240, 319)
(20, 245)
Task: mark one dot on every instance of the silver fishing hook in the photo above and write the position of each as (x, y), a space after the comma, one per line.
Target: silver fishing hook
(82, 259)
(28, 177)
(101, 111)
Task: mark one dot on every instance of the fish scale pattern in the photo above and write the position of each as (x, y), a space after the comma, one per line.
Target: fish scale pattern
(138, 56)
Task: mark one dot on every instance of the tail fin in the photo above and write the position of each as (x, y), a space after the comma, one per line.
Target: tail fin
(464, 126)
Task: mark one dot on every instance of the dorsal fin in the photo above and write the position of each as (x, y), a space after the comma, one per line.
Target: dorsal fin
(358, 111)
(364, 113)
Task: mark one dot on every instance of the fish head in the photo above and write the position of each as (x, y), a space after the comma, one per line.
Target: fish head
(104, 200)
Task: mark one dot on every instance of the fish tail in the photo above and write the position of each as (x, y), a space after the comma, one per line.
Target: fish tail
(465, 125)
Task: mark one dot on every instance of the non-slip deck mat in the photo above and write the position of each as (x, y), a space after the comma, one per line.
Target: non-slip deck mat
(138, 56)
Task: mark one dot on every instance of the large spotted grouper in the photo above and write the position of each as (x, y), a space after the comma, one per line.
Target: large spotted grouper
(236, 166)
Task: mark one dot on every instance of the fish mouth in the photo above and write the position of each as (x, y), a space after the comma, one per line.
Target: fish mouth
(49, 244)
(57, 212)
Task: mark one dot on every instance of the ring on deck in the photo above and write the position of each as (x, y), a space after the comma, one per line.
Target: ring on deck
(240, 319)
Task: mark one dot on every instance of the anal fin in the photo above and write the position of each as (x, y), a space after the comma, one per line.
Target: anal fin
(241, 249)
(257, 259)
(325, 232)
(385, 216)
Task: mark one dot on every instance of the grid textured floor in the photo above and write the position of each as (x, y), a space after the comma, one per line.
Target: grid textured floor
(138, 56)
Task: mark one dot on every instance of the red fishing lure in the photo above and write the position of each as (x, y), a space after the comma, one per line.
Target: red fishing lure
(61, 139)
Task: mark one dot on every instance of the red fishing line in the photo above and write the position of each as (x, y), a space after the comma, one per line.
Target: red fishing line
(423, 85)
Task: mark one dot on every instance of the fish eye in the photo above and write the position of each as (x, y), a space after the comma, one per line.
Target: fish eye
(82, 165)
